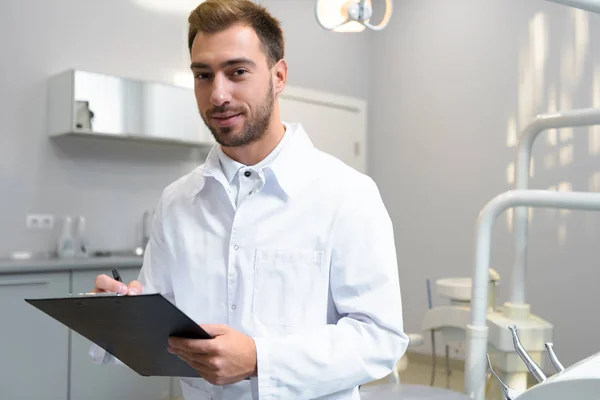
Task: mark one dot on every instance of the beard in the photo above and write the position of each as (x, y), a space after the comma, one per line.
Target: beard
(252, 130)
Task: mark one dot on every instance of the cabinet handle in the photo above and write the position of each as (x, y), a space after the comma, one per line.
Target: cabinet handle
(24, 282)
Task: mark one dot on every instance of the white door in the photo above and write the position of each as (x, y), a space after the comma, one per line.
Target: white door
(335, 124)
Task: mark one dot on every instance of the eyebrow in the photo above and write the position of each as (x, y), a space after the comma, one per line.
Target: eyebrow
(228, 63)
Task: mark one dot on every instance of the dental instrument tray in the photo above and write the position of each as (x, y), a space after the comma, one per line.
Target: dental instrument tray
(134, 329)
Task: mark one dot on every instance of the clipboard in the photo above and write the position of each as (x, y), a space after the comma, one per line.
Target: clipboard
(134, 329)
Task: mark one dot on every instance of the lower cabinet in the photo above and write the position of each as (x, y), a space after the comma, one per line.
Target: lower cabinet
(34, 359)
(43, 359)
(91, 381)
(176, 393)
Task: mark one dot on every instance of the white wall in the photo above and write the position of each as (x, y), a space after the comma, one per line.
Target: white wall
(450, 81)
(113, 183)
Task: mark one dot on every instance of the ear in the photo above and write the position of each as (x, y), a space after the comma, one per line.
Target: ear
(280, 71)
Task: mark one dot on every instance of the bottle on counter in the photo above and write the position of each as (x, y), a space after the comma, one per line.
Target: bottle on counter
(66, 242)
(81, 240)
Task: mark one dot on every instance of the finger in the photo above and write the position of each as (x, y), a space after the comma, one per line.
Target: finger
(135, 287)
(195, 346)
(205, 365)
(104, 283)
(187, 345)
(209, 368)
(203, 369)
(207, 360)
(216, 329)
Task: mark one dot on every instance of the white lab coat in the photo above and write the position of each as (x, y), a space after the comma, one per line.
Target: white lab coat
(305, 265)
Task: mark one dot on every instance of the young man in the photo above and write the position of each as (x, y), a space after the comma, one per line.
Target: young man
(282, 253)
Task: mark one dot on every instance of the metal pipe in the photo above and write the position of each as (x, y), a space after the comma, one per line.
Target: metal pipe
(433, 352)
(573, 118)
(588, 5)
(448, 367)
(477, 331)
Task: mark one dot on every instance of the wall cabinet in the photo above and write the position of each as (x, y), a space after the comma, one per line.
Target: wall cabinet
(93, 105)
(88, 104)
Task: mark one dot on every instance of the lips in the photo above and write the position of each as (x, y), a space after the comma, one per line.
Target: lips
(226, 120)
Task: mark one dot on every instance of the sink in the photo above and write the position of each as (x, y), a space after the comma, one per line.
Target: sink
(28, 255)
(455, 288)
(118, 253)
(52, 255)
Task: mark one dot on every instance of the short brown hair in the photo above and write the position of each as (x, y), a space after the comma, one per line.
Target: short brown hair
(214, 16)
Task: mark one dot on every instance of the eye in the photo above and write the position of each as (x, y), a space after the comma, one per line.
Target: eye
(240, 72)
(202, 75)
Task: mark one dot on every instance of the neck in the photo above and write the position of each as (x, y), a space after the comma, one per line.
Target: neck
(255, 152)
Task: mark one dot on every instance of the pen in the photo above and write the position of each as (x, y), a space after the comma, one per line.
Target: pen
(116, 275)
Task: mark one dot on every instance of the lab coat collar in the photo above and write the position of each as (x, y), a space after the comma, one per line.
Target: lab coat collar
(210, 168)
(292, 168)
(229, 166)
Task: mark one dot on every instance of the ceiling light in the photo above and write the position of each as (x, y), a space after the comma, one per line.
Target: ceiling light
(349, 15)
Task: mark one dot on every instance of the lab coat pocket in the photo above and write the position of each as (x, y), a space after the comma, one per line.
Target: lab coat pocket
(288, 283)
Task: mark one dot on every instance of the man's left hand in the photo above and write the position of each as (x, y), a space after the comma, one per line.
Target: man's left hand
(229, 357)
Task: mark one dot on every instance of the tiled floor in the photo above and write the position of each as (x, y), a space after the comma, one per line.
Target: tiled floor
(418, 372)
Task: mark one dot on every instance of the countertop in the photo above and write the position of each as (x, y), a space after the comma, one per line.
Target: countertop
(11, 266)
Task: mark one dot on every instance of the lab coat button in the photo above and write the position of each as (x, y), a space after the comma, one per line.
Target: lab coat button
(236, 247)
(247, 174)
(233, 307)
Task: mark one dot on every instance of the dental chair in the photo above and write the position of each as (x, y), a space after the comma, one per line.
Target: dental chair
(392, 389)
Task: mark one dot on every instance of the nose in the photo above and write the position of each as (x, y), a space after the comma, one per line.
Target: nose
(221, 92)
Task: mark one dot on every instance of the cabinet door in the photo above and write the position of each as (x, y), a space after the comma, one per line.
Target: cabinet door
(34, 359)
(335, 124)
(176, 392)
(101, 382)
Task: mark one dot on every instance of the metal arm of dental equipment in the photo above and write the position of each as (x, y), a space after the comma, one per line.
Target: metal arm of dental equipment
(512, 394)
(566, 119)
(553, 358)
(509, 393)
(587, 5)
(535, 369)
(477, 330)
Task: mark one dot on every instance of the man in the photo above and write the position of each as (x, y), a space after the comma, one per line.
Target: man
(282, 253)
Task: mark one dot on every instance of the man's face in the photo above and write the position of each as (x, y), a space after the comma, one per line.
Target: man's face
(233, 85)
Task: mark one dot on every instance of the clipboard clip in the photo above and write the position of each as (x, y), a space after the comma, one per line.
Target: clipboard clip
(103, 294)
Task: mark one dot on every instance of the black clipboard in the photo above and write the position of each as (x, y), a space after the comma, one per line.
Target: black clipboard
(134, 329)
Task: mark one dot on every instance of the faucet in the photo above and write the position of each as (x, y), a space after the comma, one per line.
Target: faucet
(146, 226)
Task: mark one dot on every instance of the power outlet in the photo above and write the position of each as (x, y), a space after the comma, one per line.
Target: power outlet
(39, 221)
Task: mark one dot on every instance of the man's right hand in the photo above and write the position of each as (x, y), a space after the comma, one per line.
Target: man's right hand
(104, 283)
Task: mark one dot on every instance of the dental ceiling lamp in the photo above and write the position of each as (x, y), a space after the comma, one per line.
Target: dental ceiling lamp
(588, 5)
(349, 15)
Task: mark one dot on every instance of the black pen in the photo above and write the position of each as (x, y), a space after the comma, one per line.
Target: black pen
(116, 275)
